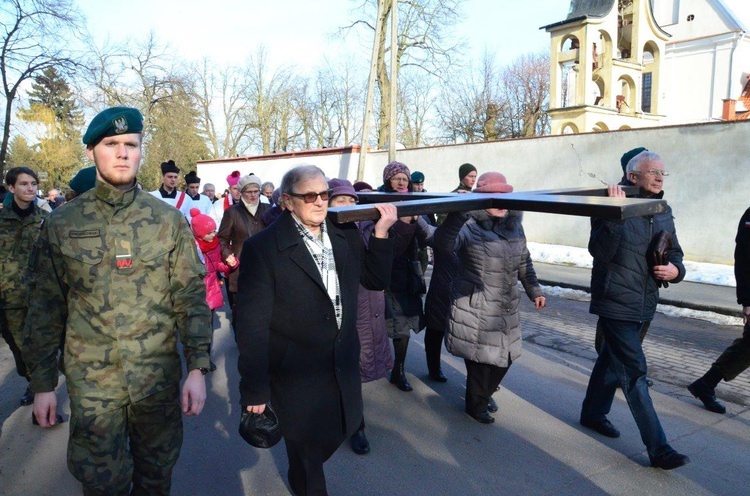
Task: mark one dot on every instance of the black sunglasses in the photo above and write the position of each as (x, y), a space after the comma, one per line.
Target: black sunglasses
(311, 197)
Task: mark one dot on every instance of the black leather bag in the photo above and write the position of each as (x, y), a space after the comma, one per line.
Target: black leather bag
(260, 429)
(658, 253)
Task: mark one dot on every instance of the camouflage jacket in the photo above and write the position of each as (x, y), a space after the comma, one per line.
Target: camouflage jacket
(17, 236)
(118, 272)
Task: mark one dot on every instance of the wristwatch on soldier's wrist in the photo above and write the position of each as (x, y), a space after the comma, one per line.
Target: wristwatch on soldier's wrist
(203, 370)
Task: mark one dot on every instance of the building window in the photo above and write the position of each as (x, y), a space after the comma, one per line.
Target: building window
(646, 93)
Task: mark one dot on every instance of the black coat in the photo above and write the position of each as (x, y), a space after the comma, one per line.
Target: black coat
(291, 351)
(622, 287)
(742, 260)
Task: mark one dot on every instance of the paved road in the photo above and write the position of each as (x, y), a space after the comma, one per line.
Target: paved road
(422, 443)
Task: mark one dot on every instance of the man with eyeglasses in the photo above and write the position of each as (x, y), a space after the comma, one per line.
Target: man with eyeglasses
(599, 339)
(240, 221)
(624, 293)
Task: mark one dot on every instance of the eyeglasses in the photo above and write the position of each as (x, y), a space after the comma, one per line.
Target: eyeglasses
(652, 172)
(311, 197)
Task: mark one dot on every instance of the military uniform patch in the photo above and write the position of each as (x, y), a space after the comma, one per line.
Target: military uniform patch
(120, 125)
(90, 233)
(123, 254)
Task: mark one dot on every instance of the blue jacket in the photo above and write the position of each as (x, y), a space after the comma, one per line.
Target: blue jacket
(621, 284)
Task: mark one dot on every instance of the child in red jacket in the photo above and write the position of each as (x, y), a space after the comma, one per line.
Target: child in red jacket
(204, 229)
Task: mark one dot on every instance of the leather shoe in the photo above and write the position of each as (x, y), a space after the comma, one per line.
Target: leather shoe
(669, 460)
(359, 442)
(483, 417)
(438, 376)
(491, 405)
(400, 380)
(27, 398)
(58, 419)
(211, 367)
(707, 396)
(649, 382)
(603, 427)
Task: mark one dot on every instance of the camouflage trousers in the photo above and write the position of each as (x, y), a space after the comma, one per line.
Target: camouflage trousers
(11, 327)
(137, 444)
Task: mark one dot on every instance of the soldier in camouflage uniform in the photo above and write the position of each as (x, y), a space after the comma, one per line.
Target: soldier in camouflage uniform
(19, 228)
(117, 271)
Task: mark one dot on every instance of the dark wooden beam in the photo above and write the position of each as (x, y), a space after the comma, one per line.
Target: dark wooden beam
(581, 202)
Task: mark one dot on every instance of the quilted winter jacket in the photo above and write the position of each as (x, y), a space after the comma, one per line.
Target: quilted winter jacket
(375, 357)
(214, 266)
(484, 324)
(621, 284)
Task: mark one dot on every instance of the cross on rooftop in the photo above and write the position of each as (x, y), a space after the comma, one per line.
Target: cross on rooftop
(586, 202)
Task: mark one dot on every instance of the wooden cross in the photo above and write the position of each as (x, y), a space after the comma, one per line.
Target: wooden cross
(584, 202)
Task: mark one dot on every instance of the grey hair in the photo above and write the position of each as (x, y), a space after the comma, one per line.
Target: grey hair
(645, 157)
(267, 184)
(299, 174)
(207, 185)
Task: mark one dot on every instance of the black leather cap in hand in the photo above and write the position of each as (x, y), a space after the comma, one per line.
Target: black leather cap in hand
(260, 429)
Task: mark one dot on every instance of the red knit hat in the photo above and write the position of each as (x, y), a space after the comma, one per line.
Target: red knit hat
(233, 178)
(492, 182)
(202, 224)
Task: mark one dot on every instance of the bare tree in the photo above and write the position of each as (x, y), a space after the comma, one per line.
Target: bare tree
(34, 38)
(416, 102)
(266, 92)
(472, 103)
(147, 75)
(423, 42)
(526, 89)
(224, 92)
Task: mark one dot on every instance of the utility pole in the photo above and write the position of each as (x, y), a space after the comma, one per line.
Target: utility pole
(371, 87)
(393, 124)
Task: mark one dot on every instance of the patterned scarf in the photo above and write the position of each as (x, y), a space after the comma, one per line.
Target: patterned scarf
(322, 253)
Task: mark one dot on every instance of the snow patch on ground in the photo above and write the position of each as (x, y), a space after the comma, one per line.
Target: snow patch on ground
(707, 273)
(668, 310)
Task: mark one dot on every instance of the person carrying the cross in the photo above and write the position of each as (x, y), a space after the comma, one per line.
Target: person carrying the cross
(483, 325)
(403, 299)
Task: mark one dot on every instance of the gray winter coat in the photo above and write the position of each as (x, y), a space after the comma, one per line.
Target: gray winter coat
(484, 324)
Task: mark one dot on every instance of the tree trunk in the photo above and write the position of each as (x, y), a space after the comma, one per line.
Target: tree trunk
(6, 129)
(384, 82)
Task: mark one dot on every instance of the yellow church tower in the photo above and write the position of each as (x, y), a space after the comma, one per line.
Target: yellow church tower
(606, 60)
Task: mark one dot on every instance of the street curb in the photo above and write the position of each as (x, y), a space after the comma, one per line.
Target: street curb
(663, 301)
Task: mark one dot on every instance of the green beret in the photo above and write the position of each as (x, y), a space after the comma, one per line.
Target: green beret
(628, 156)
(113, 121)
(84, 180)
(417, 177)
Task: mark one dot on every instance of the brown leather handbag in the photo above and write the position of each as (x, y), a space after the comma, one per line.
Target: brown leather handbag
(658, 253)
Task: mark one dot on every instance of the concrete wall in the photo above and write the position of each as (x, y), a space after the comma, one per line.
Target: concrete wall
(707, 188)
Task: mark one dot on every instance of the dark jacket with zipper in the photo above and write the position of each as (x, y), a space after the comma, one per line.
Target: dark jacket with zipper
(622, 287)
